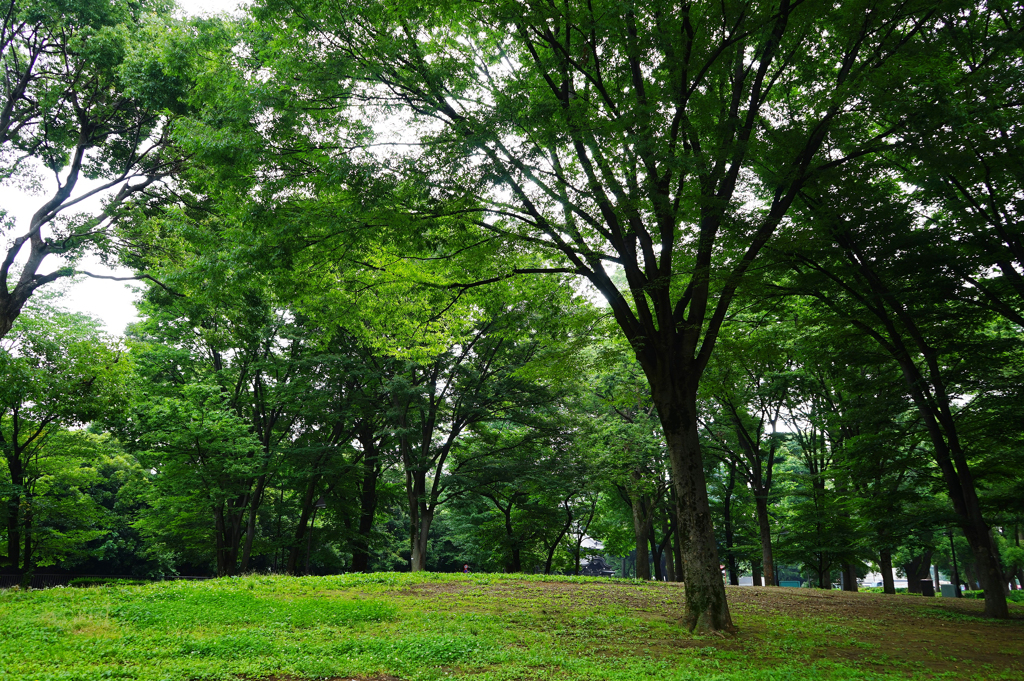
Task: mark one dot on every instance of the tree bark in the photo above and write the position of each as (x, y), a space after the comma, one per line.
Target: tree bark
(302, 526)
(765, 531)
(706, 605)
(849, 577)
(640, 529)
(677, 544)
(885, 566)
(916, 570)
(656, 551)
(670, 568)
(250, 526)
(420, 534)
(367, 507)
(734, 578)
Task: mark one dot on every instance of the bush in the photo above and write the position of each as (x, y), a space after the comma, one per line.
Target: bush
(1014, 597)
(104, 581)
(879, 589)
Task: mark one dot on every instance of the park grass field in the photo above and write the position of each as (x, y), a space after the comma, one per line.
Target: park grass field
(391, 627)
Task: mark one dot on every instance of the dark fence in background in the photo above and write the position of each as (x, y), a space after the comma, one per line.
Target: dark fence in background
(45, 581)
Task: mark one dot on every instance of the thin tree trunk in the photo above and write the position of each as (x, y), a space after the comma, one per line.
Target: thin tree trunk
(13, 533)
(218, 524)
(250, 526)
(730, 560)
(765, 531)
(367, 510)
(640, 529)
(28, 566)
(656, 551)
(302, 526)
(677, 542)
(670, 568)
(17, 474)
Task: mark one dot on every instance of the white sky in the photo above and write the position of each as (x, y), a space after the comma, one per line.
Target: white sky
(110, 301)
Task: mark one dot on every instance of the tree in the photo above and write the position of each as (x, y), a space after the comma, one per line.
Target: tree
(57, 370)
(747, 385)
(895, 291)
(477, 380)
(89, 95)
(624, 135)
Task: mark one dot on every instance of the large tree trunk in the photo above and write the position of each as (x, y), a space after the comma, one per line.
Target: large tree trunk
(706, 606)
(849, 577)
(765, 530)
(885, 566)
(916, 570)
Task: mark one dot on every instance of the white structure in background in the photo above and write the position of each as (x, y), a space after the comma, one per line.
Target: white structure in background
(875, 579)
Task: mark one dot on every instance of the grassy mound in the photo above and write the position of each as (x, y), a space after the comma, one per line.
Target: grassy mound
(488, 627)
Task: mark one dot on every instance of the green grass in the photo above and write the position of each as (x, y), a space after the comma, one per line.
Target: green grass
(432, 627)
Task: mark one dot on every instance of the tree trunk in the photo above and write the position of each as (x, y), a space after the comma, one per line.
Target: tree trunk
(755, 573)
(27, 559)
(420, 534)
(730, 559)
(14, 505)
(849, 577)
(13, 534)
(765, 530)
(302, 526)
(885, 566)
(640, 529)
(367, 510)
(218, 525)
(656, 552)
(250, 526)
(706, 606)
(670, 568)
(677, 544)
(916, 570)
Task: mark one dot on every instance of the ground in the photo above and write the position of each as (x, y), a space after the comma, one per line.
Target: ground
(391, 627)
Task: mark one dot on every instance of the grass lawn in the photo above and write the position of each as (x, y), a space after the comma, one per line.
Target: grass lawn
(391, 626)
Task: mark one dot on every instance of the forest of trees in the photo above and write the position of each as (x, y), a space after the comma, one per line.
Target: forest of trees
(727, 283)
